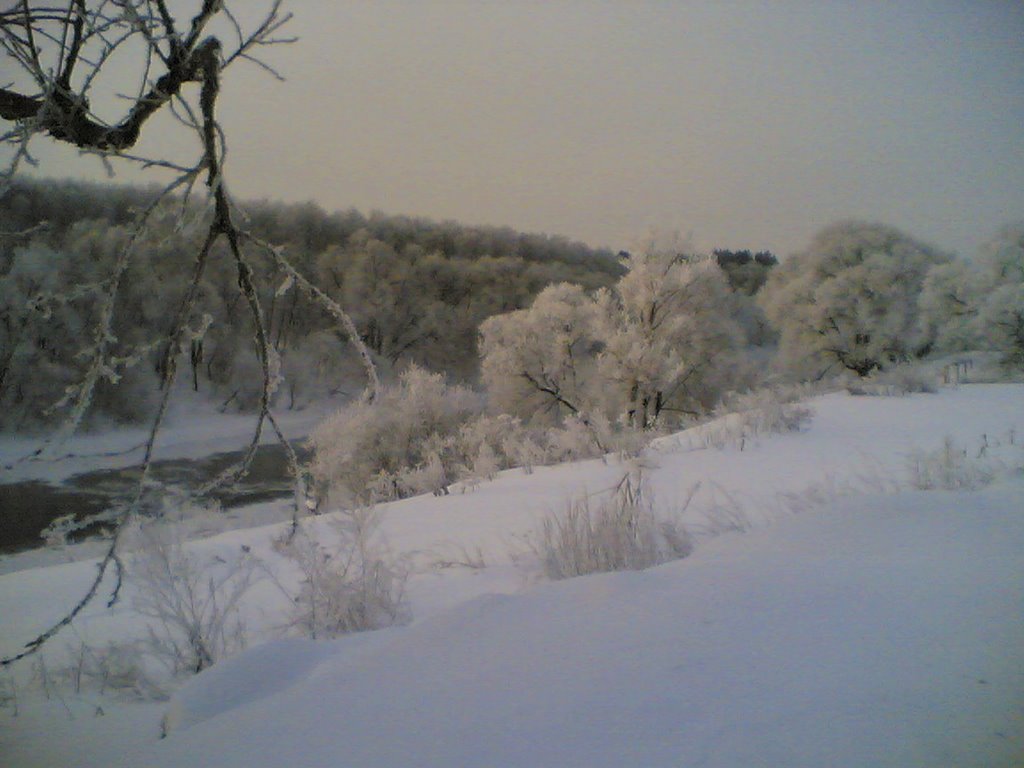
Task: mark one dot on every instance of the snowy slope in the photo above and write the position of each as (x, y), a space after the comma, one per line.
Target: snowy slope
(883, 632)
(853, 633)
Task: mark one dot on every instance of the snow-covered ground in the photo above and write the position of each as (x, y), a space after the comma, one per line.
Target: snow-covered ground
(854, 623)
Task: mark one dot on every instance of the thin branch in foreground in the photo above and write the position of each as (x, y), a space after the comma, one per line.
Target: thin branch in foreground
(111, 557)
(66, 117)
(325, 301)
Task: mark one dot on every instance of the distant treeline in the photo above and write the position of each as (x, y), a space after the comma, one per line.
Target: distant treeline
(417, 290)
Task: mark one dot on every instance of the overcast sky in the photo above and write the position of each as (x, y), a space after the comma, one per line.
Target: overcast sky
(749, 124)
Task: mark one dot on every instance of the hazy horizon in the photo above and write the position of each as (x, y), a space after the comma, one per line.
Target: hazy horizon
(751, 125)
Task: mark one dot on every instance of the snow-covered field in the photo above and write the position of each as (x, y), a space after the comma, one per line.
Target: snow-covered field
(856, 622)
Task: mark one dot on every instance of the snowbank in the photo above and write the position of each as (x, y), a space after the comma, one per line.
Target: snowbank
(886, 631)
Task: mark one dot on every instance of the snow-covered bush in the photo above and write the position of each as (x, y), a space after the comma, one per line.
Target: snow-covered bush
(899, 380)
(422, 435)
(623, 532)
(949, 468)
(192, 603)
(394, 446)
(482, 445)
(116, 667)
(351, 587)
(745, 416)
(488, 444)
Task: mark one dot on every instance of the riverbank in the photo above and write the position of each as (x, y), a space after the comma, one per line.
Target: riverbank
(42, 479)
(194, 430)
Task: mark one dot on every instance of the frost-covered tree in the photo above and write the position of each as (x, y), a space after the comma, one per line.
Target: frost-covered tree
(1003, 256)
(950, 299)
(669, 340)
(979, 304)
(661, 341)
(45, 311)
(35, 362)
(1000, 321)
(380, 285)
(539, 363)
(850, 300)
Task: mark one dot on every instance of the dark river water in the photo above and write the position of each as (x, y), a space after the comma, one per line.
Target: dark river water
(26, 508)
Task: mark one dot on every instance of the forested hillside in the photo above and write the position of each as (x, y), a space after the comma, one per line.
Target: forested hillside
(416, 289)
(550, 328)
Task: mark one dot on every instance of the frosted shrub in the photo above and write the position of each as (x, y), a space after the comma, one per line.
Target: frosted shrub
(753, 414)
(897, 380)
(117, 667)
(524, 450)
(622, 533)
(948, 468)
(430, 476)
(423, 435)
(478, 445)
(349, 588)
(370, 452)
(502, 442)
(485, 464)
(575, 440)
(192, 602)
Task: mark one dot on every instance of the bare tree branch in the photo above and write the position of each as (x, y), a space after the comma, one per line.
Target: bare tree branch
(56, 108)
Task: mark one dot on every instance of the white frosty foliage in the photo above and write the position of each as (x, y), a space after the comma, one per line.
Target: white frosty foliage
(623, 531)
(1002, 322)
(349, 587)
(538, 363)
(950, 468)
(386, 449)
(659, 344)
(669, 341)
(747, 416)
(850, 300)
(191, 603)
(980, 305)
(949, 303)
